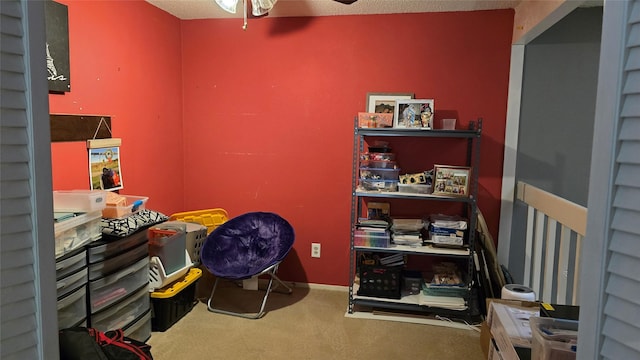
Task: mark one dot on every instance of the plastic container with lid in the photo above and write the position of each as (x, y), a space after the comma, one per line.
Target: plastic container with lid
(379, 185)
(123, 206)
(79, 200)
(379, 174)
(378, 164)
(415, 188)
(376, 156)
(553, 339)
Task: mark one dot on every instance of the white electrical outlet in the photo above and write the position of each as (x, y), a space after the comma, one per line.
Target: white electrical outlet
(315, 250)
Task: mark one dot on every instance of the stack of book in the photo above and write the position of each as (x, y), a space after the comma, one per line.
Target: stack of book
(372, 233)
(407, 231)
(447, 230)
(392, 260)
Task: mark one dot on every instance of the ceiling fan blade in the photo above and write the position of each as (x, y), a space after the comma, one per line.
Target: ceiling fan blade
(228, 5)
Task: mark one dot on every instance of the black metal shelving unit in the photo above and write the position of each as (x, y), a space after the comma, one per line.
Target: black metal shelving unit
(410, 303)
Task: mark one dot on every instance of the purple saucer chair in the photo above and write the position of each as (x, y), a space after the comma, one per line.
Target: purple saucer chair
(250, 245)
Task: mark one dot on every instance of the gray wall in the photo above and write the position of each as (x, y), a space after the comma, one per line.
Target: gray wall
(557, 116)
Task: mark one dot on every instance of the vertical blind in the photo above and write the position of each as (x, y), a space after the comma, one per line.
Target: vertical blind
(26, 309)
(621, 318)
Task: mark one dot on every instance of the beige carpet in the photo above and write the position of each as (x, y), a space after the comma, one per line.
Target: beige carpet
(308, 324)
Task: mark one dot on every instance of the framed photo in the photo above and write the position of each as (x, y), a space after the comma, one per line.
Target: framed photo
(385, 102)
(414, 114)
(451, 180)
(104, 169)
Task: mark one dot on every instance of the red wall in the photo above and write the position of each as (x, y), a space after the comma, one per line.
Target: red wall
(125, 63)
(214, 116)
(269, 112)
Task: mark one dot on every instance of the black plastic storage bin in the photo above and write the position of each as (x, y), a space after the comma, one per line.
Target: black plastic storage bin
(171, 303)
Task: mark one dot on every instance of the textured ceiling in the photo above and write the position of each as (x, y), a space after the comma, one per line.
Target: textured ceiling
(208, 9)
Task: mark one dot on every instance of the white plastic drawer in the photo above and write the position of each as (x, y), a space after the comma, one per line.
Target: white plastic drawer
(72, 308)
(71, 282)
(110, 289)
(140, 329)
(113, 264)
(71, 263)
(76, 232)
(107, 247)
(122, 313)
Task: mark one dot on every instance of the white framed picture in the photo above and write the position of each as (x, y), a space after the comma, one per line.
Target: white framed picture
(384, 102)
(414, 114)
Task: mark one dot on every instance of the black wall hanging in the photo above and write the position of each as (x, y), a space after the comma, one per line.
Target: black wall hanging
(57, 36)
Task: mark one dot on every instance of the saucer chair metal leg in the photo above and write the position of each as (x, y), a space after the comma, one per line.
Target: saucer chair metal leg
(259, 314)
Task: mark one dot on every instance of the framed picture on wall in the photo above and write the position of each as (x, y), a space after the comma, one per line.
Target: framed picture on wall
(384, 102)
(57, 43)
(104, 169)
(451, 180)
(414, 114)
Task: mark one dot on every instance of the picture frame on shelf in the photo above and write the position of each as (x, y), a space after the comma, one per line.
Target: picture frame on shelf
(451, 180)
(414, 114)
(385, 102)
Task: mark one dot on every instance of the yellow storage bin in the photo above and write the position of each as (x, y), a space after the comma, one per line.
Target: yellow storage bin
(211, 218)
(169, 304)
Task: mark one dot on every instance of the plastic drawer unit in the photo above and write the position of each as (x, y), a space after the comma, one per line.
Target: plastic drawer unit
(139, 329)
(72, 309)
(71, 282)
(112, 288)
(110, 246)
(71, 263)
(111, 265)
(120, 314)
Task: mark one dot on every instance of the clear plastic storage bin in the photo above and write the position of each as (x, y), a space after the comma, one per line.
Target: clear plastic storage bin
(130, 205)
(379, 185)
(414, 188)
(79, 200)
(379, 174)
(77, 231)
(553, 339)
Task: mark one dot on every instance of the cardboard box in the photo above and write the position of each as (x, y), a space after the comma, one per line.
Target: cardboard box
(499, 329)
(375, 120)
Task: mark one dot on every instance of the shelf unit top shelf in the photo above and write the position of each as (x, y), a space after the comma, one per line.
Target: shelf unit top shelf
(405, 195)
(418, 132)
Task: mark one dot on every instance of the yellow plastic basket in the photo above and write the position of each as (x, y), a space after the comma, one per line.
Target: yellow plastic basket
(211, 218)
